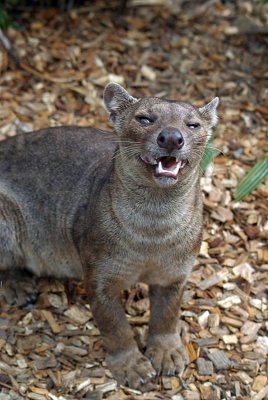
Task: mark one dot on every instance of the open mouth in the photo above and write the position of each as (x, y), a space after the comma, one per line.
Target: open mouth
(166, 166)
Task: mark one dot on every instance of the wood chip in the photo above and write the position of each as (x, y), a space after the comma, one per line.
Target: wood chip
(244, 270)
(232, 322)
(53, 348)
(244, 377)
(211, 281)
(230, 339)
(229, 301)
(262, 394)
(222, 214)
(219, 359)
(94, 395)
(50, 319)
(108, 387)
(36, 396)
(189, 395)
(213, 320)
(78, 314)
(191, 352)
(177, 397)
(148, 73)
(250, 328)
(204, 366)
(203, 319)
(259, 383)
(45, 362)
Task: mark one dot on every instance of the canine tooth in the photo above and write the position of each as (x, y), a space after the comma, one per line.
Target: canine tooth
(160, 168)
(178, 166)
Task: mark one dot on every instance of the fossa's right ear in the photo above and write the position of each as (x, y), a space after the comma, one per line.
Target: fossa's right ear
(116, 99)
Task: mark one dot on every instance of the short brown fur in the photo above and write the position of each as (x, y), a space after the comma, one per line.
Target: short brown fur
(80, 202)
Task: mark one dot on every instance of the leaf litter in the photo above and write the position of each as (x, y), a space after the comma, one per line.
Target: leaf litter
(182, 50)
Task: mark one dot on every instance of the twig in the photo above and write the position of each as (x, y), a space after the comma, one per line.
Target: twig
(183, 383)
(5, 385)
(4, 40)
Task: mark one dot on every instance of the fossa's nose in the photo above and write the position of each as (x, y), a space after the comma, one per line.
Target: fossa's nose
(170, 139)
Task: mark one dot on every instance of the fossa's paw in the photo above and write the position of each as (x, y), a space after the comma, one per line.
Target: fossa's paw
(131, 368)
(168, 356)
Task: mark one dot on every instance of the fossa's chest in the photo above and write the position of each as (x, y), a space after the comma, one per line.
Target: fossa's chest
(155, 252)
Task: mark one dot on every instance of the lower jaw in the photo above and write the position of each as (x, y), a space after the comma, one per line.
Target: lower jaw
(165, 180)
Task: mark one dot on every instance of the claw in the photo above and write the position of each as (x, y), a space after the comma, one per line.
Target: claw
(166, 361)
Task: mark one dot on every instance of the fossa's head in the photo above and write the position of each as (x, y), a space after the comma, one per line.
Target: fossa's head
(160, 140)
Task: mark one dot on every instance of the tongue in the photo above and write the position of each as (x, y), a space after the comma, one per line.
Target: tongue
(171, 171)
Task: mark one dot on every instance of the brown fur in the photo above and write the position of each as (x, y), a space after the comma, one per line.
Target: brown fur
(79, 202)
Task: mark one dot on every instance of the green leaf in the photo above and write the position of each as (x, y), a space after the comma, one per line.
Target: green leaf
(257, 174)
(4, 21)
(209, 154)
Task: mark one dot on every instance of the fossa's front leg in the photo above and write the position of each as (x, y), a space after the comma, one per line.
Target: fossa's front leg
(165, 349)
(127, 364)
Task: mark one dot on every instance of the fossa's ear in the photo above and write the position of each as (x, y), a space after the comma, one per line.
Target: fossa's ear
(209, 112)
(116, 99)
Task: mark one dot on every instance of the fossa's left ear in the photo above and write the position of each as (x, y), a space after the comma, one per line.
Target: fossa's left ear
(116, 97)
(209, 112)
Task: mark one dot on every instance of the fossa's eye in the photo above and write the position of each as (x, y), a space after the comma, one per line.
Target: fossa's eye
(144, 119)
(193, 125)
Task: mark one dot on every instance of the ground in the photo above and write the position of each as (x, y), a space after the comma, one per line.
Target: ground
(184, 50)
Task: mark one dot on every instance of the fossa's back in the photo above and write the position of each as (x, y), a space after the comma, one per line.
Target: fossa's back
(44, 176)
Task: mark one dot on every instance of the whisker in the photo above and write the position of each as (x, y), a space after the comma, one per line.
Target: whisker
(127, 152)
(219, 151)
(208, 146)
(215, 148)
(119, 140)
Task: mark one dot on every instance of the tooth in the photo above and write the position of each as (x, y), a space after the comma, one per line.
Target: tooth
(178, 166)
(160, 168)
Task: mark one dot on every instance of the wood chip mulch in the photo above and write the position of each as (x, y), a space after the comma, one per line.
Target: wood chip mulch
(183, 50)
